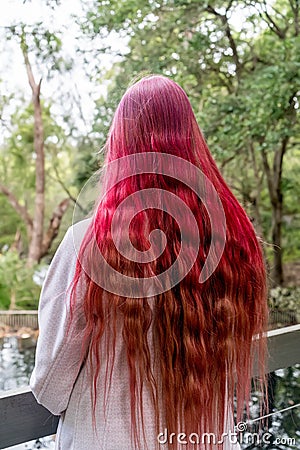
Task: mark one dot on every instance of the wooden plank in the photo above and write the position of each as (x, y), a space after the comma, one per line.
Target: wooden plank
(22, 419)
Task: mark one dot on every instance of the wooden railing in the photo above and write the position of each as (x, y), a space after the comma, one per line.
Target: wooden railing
(22, 419)
(16, 319)
(19, 318)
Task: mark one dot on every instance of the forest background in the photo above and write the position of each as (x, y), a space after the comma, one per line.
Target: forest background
(239, 62)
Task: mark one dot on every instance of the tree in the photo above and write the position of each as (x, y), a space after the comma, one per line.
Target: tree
(39, 241)
(243, 82)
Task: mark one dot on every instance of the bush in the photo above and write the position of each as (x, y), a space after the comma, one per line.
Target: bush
(18, 289)
(285, 298)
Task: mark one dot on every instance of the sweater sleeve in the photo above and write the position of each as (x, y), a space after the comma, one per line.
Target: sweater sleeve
(59, 348)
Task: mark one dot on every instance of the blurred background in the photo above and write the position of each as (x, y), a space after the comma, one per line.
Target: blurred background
(64, 66)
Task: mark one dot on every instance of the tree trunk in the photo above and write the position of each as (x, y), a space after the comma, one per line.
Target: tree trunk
(256, 196)
(277, 270)
(274, 179)
(54, 226)
(17, 244)
(39, 242)
(35, 246)
(13, 299)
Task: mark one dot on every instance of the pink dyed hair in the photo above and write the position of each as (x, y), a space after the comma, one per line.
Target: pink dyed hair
(202, 349)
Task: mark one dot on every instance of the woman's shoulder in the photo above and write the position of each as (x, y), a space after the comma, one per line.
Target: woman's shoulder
(80, 227)
(76, 233)
(70, 244)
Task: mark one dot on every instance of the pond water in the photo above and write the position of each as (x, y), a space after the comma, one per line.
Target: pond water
(282, 433)
(16, 365)
(16, 361)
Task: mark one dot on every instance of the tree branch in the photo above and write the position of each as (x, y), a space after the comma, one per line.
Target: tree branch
(271, 23)
(280, 152)
(257, 195)
(269, 175)
(20, 209)
(295, 9)
(54, 225)
(233, 46)
(24, 48)
(277, 162)
(67, 191)
(227, 160)
(229, 5)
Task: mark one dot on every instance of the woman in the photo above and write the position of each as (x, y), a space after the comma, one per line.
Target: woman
(146, 335)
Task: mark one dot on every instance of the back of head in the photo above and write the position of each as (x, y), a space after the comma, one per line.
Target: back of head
(202, 332)
(153, 115)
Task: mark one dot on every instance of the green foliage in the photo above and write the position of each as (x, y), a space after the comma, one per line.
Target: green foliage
(43, 45)
(17, 286)
(10, 225)
(17, 168)
(285, 298)
(4, 294)
(240, 68)
(89, 158)
(41, 48)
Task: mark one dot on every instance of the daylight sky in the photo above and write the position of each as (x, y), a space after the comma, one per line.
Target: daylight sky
(12, 71)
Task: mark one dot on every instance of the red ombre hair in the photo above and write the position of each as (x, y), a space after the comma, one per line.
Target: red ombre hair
(192, 346)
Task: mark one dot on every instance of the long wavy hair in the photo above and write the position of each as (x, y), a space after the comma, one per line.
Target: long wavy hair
(191, 346)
